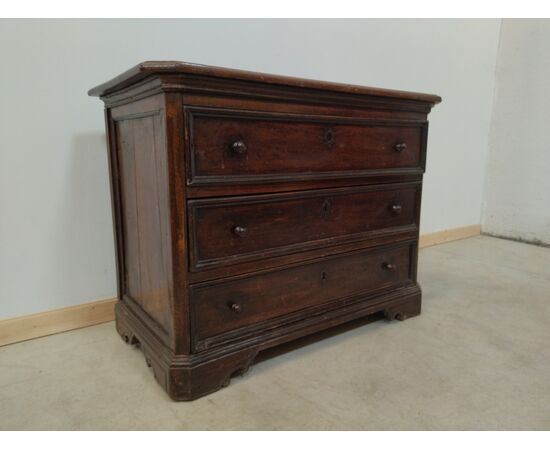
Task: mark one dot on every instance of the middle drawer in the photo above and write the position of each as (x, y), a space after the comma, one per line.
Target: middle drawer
(235, 229)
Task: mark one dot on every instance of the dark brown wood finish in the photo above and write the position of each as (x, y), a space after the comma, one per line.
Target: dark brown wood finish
(253, 209)
(227, 305)
(256, 147)
(147, 69)
(144, 214)
(231, 229)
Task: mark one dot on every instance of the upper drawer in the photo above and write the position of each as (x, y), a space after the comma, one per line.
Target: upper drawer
(233, 229)
(228, 146)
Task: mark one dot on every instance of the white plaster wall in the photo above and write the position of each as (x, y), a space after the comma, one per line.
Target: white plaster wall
(517, 193)
(56, 242)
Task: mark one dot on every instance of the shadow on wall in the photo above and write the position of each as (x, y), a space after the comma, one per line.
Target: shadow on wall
(85, 223)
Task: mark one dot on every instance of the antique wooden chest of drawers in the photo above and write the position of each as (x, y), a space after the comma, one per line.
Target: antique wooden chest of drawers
(254, 209)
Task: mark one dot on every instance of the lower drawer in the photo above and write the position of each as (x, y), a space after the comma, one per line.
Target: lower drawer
(222, 306)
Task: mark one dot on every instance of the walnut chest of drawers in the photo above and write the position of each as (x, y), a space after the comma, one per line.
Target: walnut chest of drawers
(253, 209)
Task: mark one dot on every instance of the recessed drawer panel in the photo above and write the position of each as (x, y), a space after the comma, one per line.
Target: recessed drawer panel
(231, 146)
(225, 231)
(227, 305)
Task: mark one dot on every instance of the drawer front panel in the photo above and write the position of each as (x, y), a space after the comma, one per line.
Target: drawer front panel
(223, 231)
(225, 306)
(239, 147)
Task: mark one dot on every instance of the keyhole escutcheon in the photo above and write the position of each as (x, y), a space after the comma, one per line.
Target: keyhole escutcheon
(326, 208)
(330, 137)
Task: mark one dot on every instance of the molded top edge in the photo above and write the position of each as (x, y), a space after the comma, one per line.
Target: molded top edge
(147, 68)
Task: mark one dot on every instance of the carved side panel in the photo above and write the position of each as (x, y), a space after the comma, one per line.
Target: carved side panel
(144, 205)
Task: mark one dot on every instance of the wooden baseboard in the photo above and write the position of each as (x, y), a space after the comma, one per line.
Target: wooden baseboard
(454, 234)
(51, 322)
(93, 313)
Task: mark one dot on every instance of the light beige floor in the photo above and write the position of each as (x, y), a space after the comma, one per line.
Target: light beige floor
(477, 358)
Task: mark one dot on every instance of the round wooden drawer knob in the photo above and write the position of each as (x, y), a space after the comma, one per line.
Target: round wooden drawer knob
(236, 308)
(389, 266)
(396, 209)
(400, 146)
(240, 231)
(239, 148)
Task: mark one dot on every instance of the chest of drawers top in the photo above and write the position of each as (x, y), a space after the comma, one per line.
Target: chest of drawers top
(276, 129)
(189, 74)
(252, 209)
